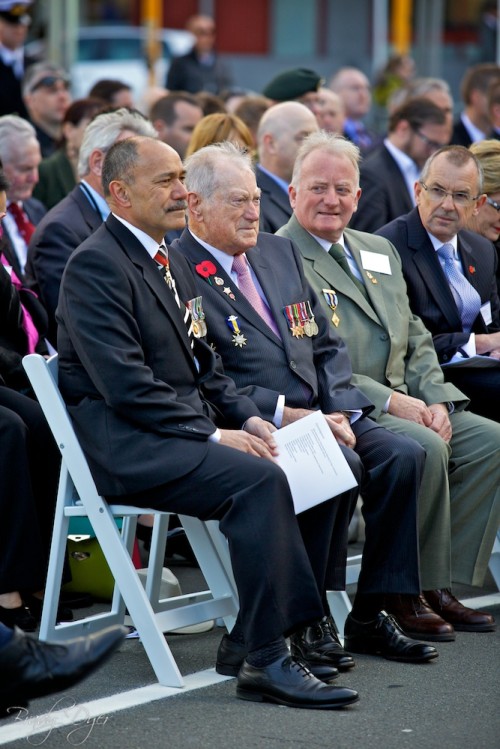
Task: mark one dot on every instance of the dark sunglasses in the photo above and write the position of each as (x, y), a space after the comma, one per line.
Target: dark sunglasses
(48, 81)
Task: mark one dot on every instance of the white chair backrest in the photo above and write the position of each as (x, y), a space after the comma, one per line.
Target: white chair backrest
(43, 375)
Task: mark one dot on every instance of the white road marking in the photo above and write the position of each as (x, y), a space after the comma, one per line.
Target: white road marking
(82, 715)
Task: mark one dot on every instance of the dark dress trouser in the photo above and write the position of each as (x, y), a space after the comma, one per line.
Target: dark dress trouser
(29, 474)
(279, 583)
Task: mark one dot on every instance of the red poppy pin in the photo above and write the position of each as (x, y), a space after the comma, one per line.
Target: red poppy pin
(206, 269)
(472, 269)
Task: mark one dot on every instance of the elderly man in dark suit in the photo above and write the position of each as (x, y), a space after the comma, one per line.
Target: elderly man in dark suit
(143, 391)
(291, 364)
(20, 156)
(81, 212)
(359, 279)
(450, 274)
(387, 175)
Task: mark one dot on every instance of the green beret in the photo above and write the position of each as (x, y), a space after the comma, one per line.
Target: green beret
(290, 84)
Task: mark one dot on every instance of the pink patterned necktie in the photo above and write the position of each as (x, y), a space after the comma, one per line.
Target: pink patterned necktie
(27, 321)
(248, 289)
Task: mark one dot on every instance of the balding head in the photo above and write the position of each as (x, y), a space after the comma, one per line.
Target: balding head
(281, 131)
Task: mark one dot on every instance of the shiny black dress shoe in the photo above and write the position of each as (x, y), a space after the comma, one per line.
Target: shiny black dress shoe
(31, 668)
(320, 640)
(463, 619)
(289, 682)
(383, 636)
(230, 657)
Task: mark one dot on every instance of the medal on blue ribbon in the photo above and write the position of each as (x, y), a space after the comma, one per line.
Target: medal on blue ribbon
(332, 301)
(238, 337)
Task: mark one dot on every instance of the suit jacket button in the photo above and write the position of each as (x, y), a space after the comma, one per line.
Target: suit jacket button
(384, 337)
(293, 364)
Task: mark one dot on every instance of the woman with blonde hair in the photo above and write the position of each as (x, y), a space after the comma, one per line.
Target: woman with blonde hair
(487, 219)
(219, 127)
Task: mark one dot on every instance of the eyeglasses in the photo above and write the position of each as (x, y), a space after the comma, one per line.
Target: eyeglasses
(493, 204)
(437, 195)
(428, 142)
(48, 81)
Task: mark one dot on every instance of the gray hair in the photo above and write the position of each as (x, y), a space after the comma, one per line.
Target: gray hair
(203, 167)
(120, 162)
(14, 132)
(417, 88)
(104, 130)
(457, 156)
(332, 143)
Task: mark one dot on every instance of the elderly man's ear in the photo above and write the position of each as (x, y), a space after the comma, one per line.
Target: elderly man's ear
(195, 206)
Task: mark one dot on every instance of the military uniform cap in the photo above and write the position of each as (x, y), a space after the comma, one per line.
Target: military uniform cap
(15, 12)
(290, 84)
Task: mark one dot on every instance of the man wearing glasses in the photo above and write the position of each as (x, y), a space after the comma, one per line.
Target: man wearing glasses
(417, 128)
(359, 281)
(450, 274)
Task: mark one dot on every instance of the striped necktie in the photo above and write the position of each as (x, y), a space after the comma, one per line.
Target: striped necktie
(162, 260)
(465, 295)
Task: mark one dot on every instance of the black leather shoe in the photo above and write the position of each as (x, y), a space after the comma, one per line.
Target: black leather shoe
(230, 657)
(289, 682)
(31, 668)
(320, 640)
(384, 636)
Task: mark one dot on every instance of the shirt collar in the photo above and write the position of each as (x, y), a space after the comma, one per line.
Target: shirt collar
(437, 243)
(474, 132)
(149, 244)
(99, 201)
(279, 181)
(224, 260)
(326, 244)
(405, 163)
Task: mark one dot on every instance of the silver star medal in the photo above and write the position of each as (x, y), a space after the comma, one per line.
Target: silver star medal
(238, 337)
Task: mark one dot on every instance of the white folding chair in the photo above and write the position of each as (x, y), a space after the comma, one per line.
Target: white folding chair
(78, 496)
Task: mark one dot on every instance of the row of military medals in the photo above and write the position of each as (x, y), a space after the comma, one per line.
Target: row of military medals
(300, 319)
(198, 324)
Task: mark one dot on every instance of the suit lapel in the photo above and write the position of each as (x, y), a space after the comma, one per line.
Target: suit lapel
(146, 266)
(333, 275)
(431, 272)
(275, 193)
(196, 254)
(377, 307)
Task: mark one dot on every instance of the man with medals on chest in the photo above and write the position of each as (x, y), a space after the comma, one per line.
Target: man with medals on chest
(266, 323)
(163, 427)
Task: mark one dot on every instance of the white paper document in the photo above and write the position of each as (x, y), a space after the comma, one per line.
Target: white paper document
(312, 461)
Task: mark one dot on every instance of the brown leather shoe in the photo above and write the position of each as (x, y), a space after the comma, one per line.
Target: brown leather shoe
(417, 619)
(444, 603)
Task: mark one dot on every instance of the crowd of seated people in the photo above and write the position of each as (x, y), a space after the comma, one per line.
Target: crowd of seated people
(424, 184)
